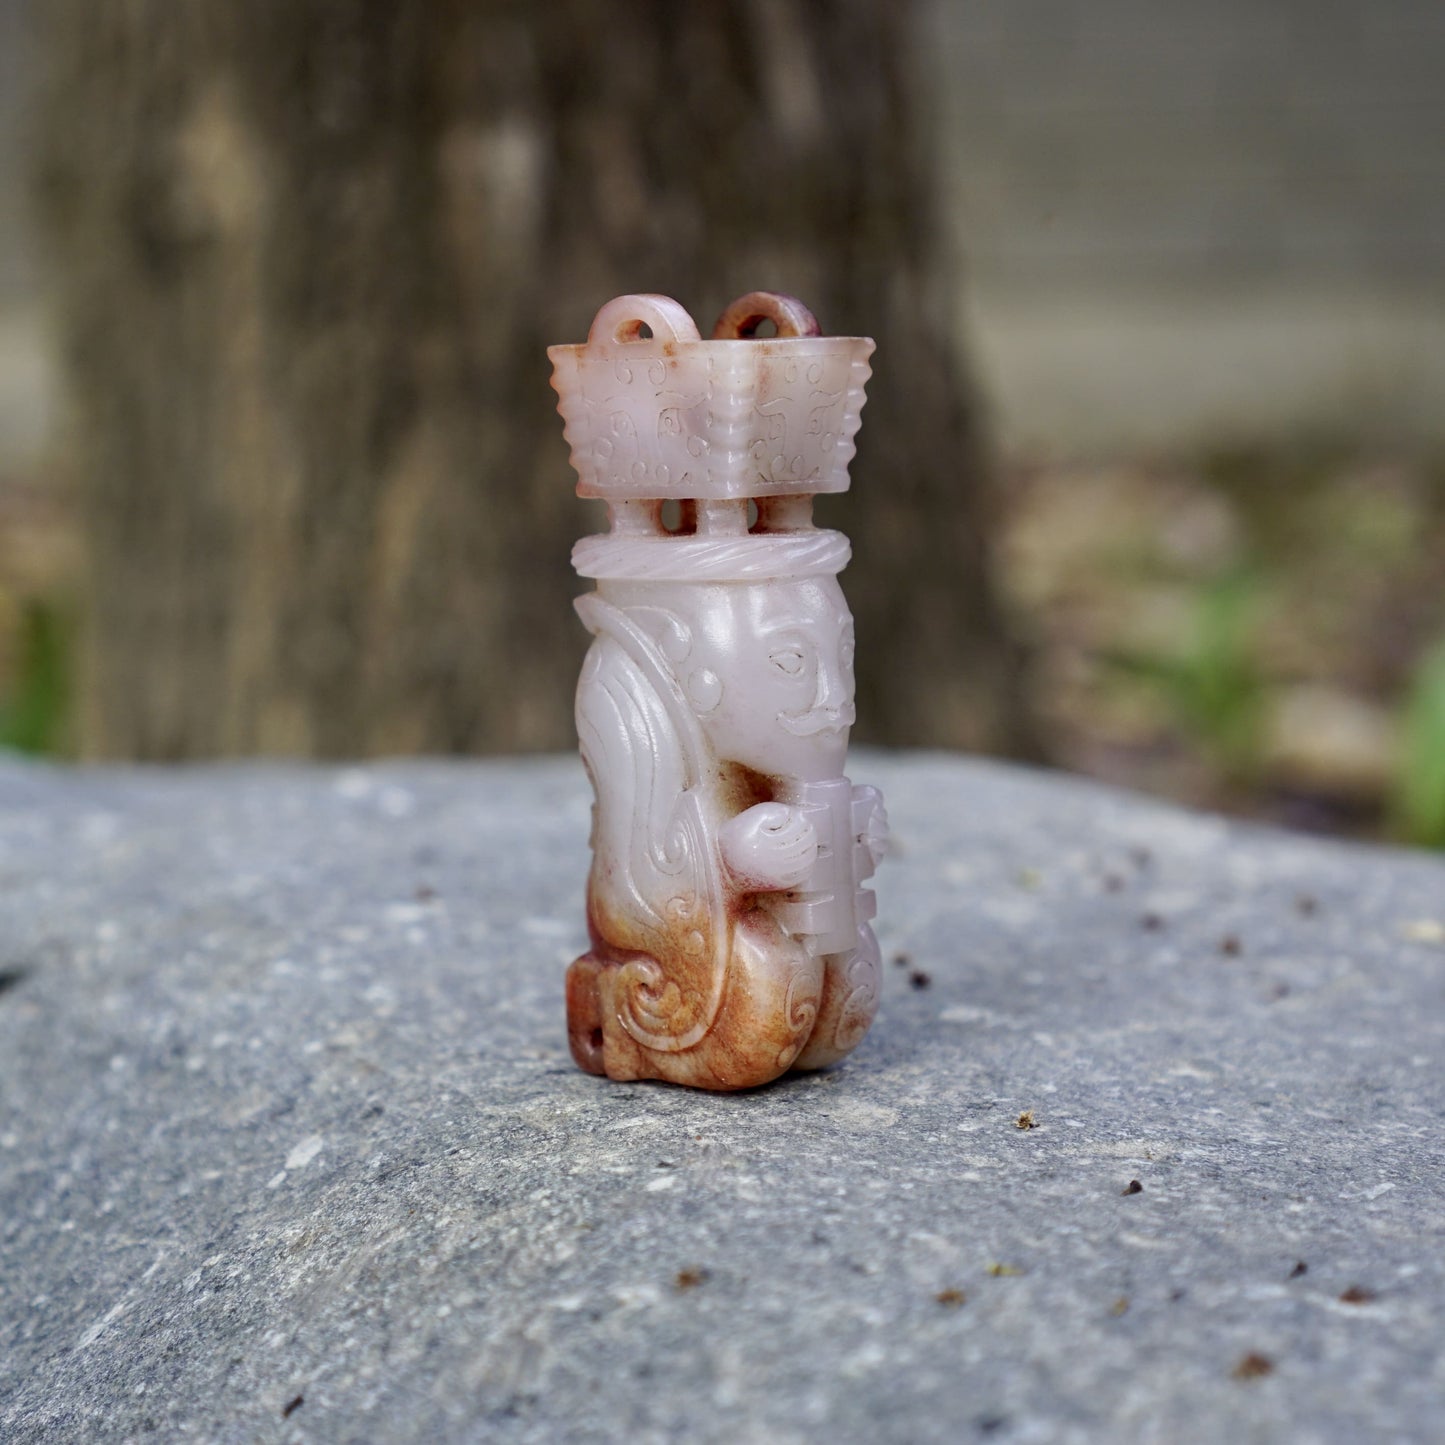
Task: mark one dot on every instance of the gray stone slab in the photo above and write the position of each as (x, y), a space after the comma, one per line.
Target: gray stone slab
(287, 1122)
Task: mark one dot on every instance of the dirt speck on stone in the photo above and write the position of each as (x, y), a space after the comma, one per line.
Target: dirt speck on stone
(950, 1298)
(690, 1278)
(1357, 1294)
(1253, 1366)
(1132, 1187)
(919, 979)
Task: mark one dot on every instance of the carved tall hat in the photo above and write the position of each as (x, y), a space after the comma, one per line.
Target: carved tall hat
(740, 432)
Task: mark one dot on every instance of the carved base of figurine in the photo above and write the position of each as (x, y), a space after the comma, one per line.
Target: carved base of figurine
(799, 1014)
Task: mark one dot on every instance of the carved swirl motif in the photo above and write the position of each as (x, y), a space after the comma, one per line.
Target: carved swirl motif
(801, 1014)
(864, 978)
(662, 897)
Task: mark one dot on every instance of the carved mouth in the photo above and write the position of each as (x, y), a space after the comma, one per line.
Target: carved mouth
(819, 720)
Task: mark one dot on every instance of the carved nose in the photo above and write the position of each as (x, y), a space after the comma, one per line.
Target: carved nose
(831, 695)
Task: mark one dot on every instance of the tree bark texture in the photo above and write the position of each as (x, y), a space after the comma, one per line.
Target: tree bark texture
(307, 256)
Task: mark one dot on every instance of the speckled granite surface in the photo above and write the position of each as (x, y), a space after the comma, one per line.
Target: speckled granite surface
(291, 1147)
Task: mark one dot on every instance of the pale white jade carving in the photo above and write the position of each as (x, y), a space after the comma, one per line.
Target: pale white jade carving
(729, 926)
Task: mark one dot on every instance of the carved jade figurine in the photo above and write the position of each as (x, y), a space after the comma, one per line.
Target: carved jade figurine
(729, 928)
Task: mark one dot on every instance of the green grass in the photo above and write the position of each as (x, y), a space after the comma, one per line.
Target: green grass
(1212, 683)
(33, 717)
(1420, 783)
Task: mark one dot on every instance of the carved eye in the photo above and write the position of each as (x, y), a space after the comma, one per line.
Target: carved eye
(789, 659)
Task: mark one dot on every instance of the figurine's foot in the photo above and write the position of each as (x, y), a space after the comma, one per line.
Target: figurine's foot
(852, 983)
(584, 1013)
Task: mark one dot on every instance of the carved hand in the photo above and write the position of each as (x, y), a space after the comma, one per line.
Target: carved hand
(769, 847)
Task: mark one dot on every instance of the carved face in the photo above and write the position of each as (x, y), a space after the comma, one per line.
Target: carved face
(768, 669)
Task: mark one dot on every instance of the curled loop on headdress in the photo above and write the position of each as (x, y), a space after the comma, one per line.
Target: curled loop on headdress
(623, 318)
(742, 319)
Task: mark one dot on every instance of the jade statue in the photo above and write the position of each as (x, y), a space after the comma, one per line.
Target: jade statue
(725, 906)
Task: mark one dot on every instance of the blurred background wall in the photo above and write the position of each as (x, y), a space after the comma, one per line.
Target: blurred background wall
(1194, 257)
(1185, 218)
(1178, 218)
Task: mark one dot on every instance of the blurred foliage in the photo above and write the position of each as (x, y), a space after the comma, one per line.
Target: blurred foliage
(1212, 682)
(34, 711)
(1243, 630)
(1420, 782)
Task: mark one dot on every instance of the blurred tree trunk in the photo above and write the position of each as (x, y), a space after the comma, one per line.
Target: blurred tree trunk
(308, 254)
